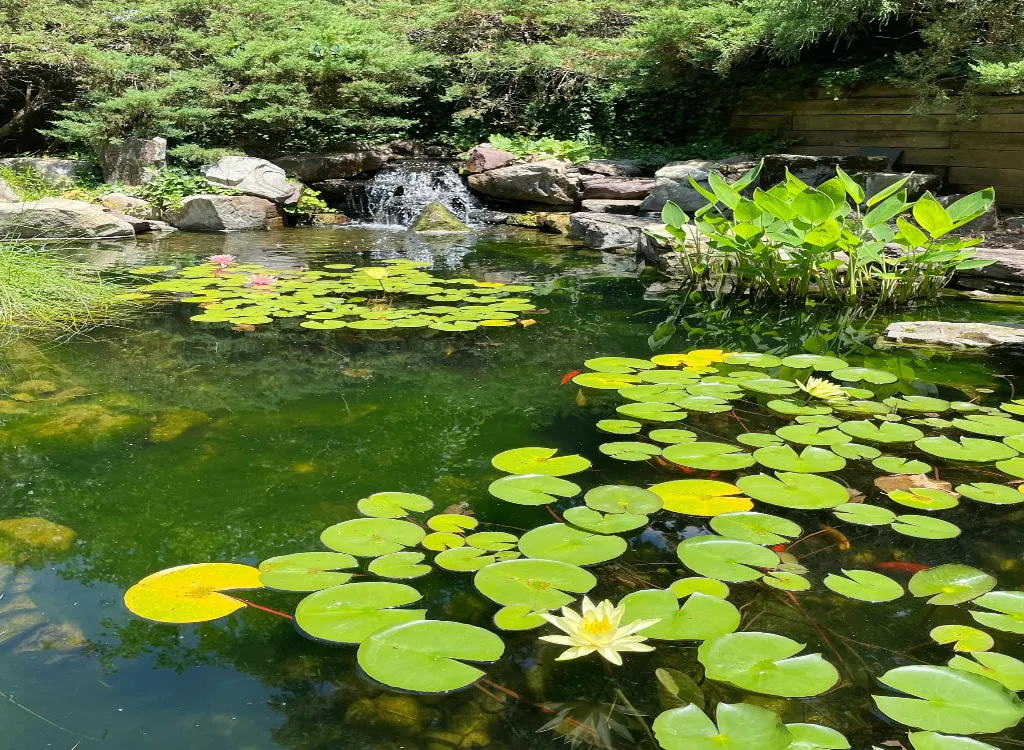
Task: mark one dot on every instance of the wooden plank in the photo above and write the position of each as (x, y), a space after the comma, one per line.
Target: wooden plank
(824, 150)
(968, 157)
(889, 106)
(993, 124)
(933, 157)
(1006, 195)
(760, 122)
(892, 139)
(927, 123)
(992, 141)
(987, 175)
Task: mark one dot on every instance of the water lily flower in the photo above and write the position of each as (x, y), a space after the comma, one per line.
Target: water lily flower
(823, 389)
(377, 273)
(261, 280)
(221, 260)
(597, 629)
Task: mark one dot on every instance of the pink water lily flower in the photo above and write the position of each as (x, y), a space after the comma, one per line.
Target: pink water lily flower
(260, 279)
(221, 260)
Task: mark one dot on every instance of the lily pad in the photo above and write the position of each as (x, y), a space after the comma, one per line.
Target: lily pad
(709, 586)
(619, 426)
(725, 559)
(630, 451)
(562, 543)
(968, 449)
(925, 527)
(618, 364)
(770, 386)
(861, 408)
(810, 459)
(700, 617)
(752, 359)
(492, 541)
(605, 381)
(886, 432)
(399, 565)
(817, 362)
(856, 451)
(816, 737)
(705, 404)
(786, 581)
(924, 499)
(672, 436)
(518, 617)
(655, 393)
(393, 504)
(963, 637)
(652, 412)
(623, 498)
(792, 408)
(372, 537)
(791, 490)
(918, 404)
(1013, 466)
(1014, 407)
(1007, 611)
(757, 528)
(532, 489)
(766, 663)
(452, 522)
(811, 434)
(988, 424)
(993, 494)
(539, 461)
(995, 666)
(759, 439)
(599, 523)
(864, 514)
(539, 584)
(306, 571)
(466, 559)
(428, 656)
(741, 726)
(191, 593)
(701, 497)
(349, 613)
(952, 583)
(708, 456)
(864, 374)
(864, 585)
(949, 700)
(897, 465)
(442, 540)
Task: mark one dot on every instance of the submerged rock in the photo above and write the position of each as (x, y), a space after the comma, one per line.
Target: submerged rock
(552, 223)
(403, 713)
(78, 425)
(437, 218)
(174, 423)
(955, 335)
(38, 534)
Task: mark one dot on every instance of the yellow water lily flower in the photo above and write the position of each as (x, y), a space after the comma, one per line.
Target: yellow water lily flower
(377, 273)
(597, 629)
(823, 389)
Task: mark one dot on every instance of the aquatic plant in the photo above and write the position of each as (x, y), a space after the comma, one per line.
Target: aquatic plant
(740, 540)
(338, 296)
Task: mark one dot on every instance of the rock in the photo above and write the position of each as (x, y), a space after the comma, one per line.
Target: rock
(59, 218)
(955, 335)
(672, 182)
(815, 170)
(335, 219)
(437, 152)
(544, 181)
(486, 216)
(1005, 275)
(50, 169)
(552, 223)
(437, 218)
(407, 148)
(1012, 222)
(37, 386)
(54, 640)
(403, 713)
(225, 213)
(984, 223)
(350, 159)
(172, 424)
(611, 232)
(612, 207)
(132, 160)
(618, 189)
(73, 425)
(129, 206)
(253, 176)
(484, 158)
(145, 226)
(612, 167)
(38, 534)
(919, 182)
(7, 194)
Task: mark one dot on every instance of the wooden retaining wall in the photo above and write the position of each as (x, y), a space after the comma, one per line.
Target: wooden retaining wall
(969, 154)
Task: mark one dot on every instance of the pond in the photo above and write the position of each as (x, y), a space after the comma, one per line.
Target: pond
(163, 442)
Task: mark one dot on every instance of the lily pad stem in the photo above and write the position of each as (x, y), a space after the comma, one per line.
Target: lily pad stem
(638, 716)
(257, 606)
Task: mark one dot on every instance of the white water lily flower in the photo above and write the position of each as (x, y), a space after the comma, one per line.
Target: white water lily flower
(597, 629)
(823, 389)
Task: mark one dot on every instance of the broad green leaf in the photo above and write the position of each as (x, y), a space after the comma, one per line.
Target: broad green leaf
(968, 449)
(785, 581)
(963, 637)
(619, 426)
(710, 586)
(897, 465)
(539, 461)
(866, 374)
(672, 436)
(532, 489)
(701, 497)
(758, 439)
(925, 527)
(918, 404)
(741, 726)
(993, 494)
(306, 571)
(393, 504)
(791, 490)
(886, 432)
(990, 424)
(399, 565)
(492, 541)
(1007, 611)
(518, 617)
(811, 434)
(766, 663)
(816, 737)
(612, 523)
(540, 584)
(605, 381)
(951, 583)
(673, 215)
(930, 214)
(372, 537)
(815, 362)
(677, 689)
(700, 617)
(630, 451)
(810, 460)
(623, 498)
(864, 585)
(725, 559)
(452, 522)
(935, 741)
(652, 412)
(618, 364)
(924, 498)
(758, 528)
(864, 514)
(995, 666)
(350, 613)
(562, 543)
(708, 456)
(191, 593)
(856, 451)
(813, 206)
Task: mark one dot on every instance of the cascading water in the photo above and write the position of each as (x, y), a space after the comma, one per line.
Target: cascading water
(398, 193)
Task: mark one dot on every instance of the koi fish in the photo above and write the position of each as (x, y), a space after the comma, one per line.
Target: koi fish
(902, 567)
(581, 399)
(779, 548)
(569, 376)
(836, 535)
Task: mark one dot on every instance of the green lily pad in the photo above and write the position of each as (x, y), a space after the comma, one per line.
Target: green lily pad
(725, 559)
(952, 583)
(492, 541)
(619, 426)
(897, 465)
(1016, 442)
(988, 424)
(721, 391)
(466, 559)
(539, 584)
(811, 434)
(655, 393)
(306, 571)
(791, 490)
(856, 451)
(766, 663)
(708, 456)
(518, 617)
(372, 537)
(770, 386)
(612, 523)
(792, 408)
(700, 617)
(864, 514)
(452, 522)
(709, 586)
(821, 420)
(1014, 407)
(752, 359)
(935, 422)
(539, 461)
(652, 412)
(963, 637)
(1013, 466)
(968, 449)
(924, 498)
(605, 381)
(618, 364)
(672, 436)
(705, 404)
(316, 325)
(861, 408)
(786, 581)
(886, 432)
(918, 404)
(741, 726)
(393, 504)
(864, 374)
(399, 565)
(562, 543)
(816, 737)
(532, 489)
(814, 361)
(949, 700)
(759, 439)
(350, 613)
(623, 498)
(669, 377)
(630, 451)
(993, 494)
(925, 527)
(810, 460)
(428, 656)
(439, 541)
(1007, 611)
(995, 666)
(757, 528)
(864, 586)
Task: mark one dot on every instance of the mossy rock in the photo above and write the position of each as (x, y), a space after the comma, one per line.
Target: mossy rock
(403, 713)
(37, 534)
(36, 386)
(437, 218)
(172, 424)
(73, 425)
(550, 222)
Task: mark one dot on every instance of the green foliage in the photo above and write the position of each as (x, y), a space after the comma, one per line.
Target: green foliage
(166, 188)
(30, 185)
(310, 202)
(547, 147)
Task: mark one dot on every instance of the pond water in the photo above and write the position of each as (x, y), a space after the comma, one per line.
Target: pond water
(164, 442)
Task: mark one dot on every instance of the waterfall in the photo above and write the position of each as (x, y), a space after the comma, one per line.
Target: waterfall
(398, 193)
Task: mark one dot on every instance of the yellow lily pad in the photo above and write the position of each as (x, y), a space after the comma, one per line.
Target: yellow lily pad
(191, 593)
(701, 497)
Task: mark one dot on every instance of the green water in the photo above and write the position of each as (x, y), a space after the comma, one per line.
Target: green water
(293, 427)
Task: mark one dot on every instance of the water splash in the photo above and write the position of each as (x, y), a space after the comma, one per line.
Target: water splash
(398, 193)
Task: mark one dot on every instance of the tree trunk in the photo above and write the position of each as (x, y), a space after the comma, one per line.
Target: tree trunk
(35, 99)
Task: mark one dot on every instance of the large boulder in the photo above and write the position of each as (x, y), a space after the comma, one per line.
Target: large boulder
(437, 218)
(672, 182)
(7, 194)
(815, 170)
(224, 213)
(132, 160)
(484, 158)
(254, 176)
(612, 167)
(50, 169)
(59, 218)
(546, 181)
(348, 161)
(953, 335)
(611, 206)
(603, 231)
(618, 190)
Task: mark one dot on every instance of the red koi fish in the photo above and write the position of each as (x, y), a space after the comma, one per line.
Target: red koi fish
(569, 376)
(779, 548)
(902, 567)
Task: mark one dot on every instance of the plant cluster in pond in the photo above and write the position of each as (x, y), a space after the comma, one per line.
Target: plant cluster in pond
(734, 512)
(793, 240)
(398, 294)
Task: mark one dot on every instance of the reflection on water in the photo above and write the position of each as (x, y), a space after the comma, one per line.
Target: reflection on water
(163, 442)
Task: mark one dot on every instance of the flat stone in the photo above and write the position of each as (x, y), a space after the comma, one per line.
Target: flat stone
(59, 218)
(546, 181)
(1005, 275)
(672, 182)
(1015, 222)
(611, 231)
(348, 161)
(954, 335)
(128, 205)
(612, 206)
(50, 169)
(133, 160)
(38, 534)
(618, 189)
(253, 176)
(815, 170)
(484, 158)
(612, 167)
(7, 194)
(225, 213)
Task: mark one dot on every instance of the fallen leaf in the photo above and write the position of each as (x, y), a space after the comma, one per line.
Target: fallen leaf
(243, 327)
(581, 399)
(856, 496)
(461, 509)
(908, 481)
(527, 322)
(358, 373)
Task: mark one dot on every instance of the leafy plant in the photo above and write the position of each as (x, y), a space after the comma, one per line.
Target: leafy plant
(166, 188)
(547, 147)
(310, 202)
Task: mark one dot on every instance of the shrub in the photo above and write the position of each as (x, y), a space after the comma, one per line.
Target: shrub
(547, 147)
(166, 188)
